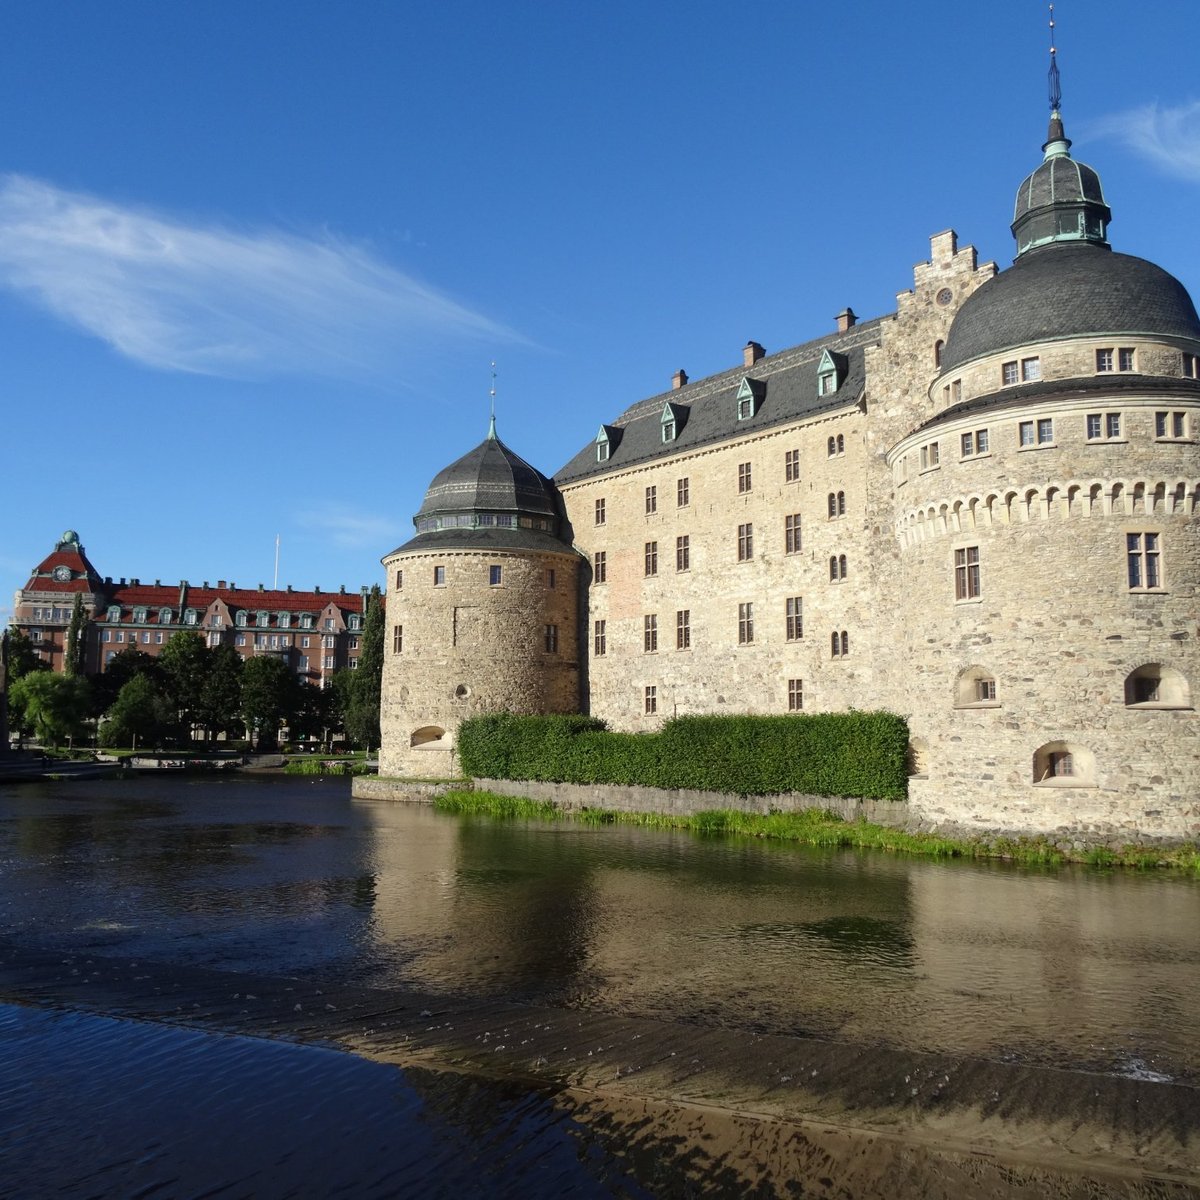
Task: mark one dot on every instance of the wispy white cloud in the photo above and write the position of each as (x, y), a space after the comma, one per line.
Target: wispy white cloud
(217, 301)
(1167, 137)
(349, 529)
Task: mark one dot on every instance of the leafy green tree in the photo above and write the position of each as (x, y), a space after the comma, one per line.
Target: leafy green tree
(141, 713)
(221, 694)
(270, 696)
(362, 709)
(318, 712)
(73, 651)
(106, 686)
(53, 706)
(185, 663)
(23, 659)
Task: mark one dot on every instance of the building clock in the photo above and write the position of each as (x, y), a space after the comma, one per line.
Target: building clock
(62, 574)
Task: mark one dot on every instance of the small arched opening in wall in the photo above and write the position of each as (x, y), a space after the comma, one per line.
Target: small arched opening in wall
(428, 737)
(1154, 686)
(1064, 764)
(976, 688)
(918, 758)
(462, 692)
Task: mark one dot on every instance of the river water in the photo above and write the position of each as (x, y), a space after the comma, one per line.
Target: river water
(1063, 967)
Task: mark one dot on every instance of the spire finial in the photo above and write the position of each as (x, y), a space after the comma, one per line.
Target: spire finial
(1055, 81)
(492, 425)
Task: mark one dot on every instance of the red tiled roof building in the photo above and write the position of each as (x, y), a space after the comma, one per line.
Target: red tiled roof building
(314, 632)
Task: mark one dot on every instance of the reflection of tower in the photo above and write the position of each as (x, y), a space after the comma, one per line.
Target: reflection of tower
(482, 606)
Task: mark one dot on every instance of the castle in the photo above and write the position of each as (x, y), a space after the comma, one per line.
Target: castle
(981, 511)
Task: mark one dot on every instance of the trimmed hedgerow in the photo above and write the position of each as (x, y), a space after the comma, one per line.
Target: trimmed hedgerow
(822, 754)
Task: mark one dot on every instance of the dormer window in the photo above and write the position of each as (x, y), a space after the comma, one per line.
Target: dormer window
(831, 373)
(114, 612)
(139, 616)
(240, 619)
(671, 421)
(604, 443)
(164, 616)
(355, 621)
(306, 621)
(263, 618)
(749, 398)
(284, 620)
(190, 616)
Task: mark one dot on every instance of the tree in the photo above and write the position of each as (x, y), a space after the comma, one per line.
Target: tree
(23, 659)
(362, 709)
(120, 669)
(185, 665)
(53, 706)
(73, 653)
(221, 694)
(269, 696)
(141, 712)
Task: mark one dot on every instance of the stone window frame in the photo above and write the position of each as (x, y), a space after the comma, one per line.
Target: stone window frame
(683, 552)
(791, 466)
(1189, 365)
(745, 542)
(839, 644)
(397, 639)
(650, 633)
(650, 699)
(651, 499)
(651, 559)
(745, 478)
(1171, 425)
(550, 637)
(1144, 561)
(439, 575)
(975, 687)
(600, 566)
(1102, 427)
(968, 578)
(683, 492)
(1031, 369)
(931, 456)
(1154, 685)
(793, 534)
(495, 575)
(551, 579)
(599, 637)
(835, 446)
(837, 568)
(399, 580)
(795, 699)
(601, 515)
(836, 505)
(683, 629)
(1063, 764)
(975, 443)
(794, 618)
(1036, 433)
(746, 623)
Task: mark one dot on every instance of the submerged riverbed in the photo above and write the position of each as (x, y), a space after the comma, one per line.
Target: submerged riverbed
(1065, 968)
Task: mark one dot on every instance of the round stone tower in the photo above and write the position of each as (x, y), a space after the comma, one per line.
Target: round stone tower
(1048, 515)
(482, 609)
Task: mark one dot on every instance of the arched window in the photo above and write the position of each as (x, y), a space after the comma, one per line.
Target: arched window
(1154, 686)
(429, 736)
(837, 567)
(1064, 764)
(975, 688)
(837, 504)
(938, 347)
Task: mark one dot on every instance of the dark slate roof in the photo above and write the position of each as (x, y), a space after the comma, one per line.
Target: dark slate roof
(490, 478)
(483, 540)
(785, 382)
(1066, 290)
(1057, 180)
(1106, 386)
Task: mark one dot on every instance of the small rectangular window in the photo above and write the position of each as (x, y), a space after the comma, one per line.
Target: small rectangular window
(791, 466)
(651, 558)
(1104, 360)
(399, 580)
(1026, 429)
(1112, 425)
(985, 689)
(649, 633)
(966, 573)
(1142, 554)
(495, 575)
(743, 477)
(1045, 430)
(1009, 374)
(551, 578)
(600, 567)
(1125, 359)
(682, 493)
(651, 499)
(683, 553)
(600, 638)
(795, 618)
(600, 511)
(791, 534)
(745, 545)
(683, 629)
(956, 391)
(1031, 369)
(439, 576)
(1190, 365)
(745, 624)
(651, 700)
(551, 636)
(795, 695)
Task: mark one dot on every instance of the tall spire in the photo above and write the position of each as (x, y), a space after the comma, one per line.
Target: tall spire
(1057, 142)
(492, 424)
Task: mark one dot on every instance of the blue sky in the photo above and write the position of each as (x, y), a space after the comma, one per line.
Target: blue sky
(256, 259)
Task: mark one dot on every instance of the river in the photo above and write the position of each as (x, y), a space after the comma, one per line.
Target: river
(1066, 968)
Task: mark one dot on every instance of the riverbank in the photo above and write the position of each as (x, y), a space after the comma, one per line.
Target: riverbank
(741, 1109)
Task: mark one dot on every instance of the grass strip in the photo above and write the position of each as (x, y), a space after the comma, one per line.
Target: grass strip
(818, 827)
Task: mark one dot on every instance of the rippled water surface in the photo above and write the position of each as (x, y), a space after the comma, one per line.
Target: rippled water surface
(1062, 967)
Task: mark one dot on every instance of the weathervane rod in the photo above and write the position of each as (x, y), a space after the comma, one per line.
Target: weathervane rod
(1055, 81)
(492, 425)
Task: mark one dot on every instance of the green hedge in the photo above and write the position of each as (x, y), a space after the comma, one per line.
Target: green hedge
(823, 754)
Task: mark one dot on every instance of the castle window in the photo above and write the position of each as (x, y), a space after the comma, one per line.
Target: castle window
(649, 633)
(683, 553)
(1125, 359)
(670, 423)
(938, 347)
(651, 699)
(966, 573)
(651, 499)
(439, 576)
(1031, 370)
(1143, 559)
(795, 618)
(745, 624)
(651, 558)
(1170, 425)
(795, 695)
(1103, 426)
(683, 629)
(930, 456)
(745, 543)
(600, 511)
(551, 639)
(743, 478)
(974, 443)
(600, 638)
(839, 643)
(791, 466)
(682, 493)
(956, 391)
(835, 445)
(749, 394)
(397, 639)
(975, 688)
(837, 568)
(600, 567)
(826, 383)
(399, 580)
(1191, 366)
(1009, 374)
(551, 579)
(1061, 764)
(603, 446)
(1037, 433)
(495, 575)
(1104, 360)
(837, 504)
(791, 534)
(1154, 686)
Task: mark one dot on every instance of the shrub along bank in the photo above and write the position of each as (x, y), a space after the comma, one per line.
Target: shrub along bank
(860, 754)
